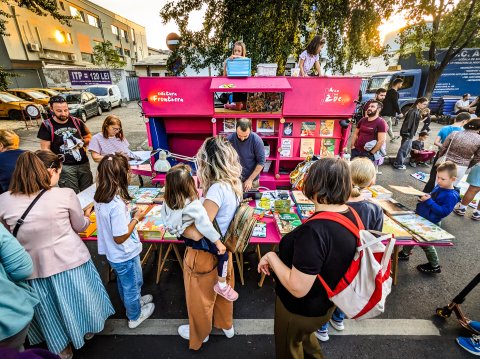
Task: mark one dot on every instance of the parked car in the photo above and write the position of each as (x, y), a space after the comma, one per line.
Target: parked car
(48, 92)
(12, 106)
(82, 104)
(61, 89)
(32, 96)
(108, 95)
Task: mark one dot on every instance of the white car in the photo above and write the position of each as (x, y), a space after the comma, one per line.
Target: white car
(109, 96)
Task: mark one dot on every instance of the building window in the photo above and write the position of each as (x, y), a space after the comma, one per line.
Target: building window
(126, 52)
(132, 32)
(114, 30)
(92, 20)
(62, 6)
(87, 57)
(69, 38)
(122, 33)
(77, 14)
(119, 50)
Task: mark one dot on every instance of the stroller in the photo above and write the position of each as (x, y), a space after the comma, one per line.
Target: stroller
(454, 306)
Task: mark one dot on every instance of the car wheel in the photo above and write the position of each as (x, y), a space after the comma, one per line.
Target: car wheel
(83, 116)
(99, 110)
(109, 108)
(15, 115)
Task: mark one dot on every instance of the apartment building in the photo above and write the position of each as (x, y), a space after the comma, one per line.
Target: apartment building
(38, 42)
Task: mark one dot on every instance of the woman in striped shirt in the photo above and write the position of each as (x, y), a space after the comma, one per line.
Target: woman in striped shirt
(110, 140)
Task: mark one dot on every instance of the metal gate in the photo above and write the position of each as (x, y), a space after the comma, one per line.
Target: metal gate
(133, 89)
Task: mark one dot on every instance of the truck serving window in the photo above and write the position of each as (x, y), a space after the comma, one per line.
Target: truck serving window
(378, 81)
(407, 82)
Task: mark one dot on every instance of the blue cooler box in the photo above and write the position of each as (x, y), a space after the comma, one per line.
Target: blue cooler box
(240, 67)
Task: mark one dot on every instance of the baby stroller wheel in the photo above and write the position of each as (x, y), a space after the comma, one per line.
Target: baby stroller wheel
(444, 312)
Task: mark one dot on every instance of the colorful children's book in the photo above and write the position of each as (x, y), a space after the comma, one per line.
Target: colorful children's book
(305, 210)
(145, 195)
(423, 228)
(422, 176)
(390, 226)
(391, 206)
(308, 128)
(326, 127)
(286, 222)
(229, 125)
(269, 197)
(132, 190)
(287, 147)
(307, 147)
(152, 226)
(327, 148)
(300, 198)
(265, 126)
(260, 230)
(86, 196)
(288, 129)
(380, 192)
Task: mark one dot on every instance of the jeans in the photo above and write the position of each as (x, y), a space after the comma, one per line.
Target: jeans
(129, 282)
(205, 245)
(76, 177)
(337, 316)
(389, 121)
(403, 151)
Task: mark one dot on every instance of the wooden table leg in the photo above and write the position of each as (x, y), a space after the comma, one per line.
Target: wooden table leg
(159, 262)
(164, 259)
(147, 255)
(240, 267)
(177, 254)
(396, 250)
(262, 276)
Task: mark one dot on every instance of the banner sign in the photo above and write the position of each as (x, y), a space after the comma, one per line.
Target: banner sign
(89, 77)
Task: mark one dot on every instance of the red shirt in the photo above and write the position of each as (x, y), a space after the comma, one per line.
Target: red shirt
(368, 131)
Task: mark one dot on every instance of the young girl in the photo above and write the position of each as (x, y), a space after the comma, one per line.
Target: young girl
(311, 56)
(239, 99)
(118, 238)
(183, 208)
(363, 175)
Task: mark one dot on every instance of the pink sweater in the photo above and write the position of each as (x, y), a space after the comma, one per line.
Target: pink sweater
(49, 233)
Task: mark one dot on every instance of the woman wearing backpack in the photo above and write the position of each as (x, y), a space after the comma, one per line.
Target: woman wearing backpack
(316, 247)
(219, 172)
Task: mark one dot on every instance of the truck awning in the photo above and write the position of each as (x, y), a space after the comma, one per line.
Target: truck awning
(250, 84)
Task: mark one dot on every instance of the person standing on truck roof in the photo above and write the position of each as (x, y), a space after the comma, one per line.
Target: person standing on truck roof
(463, 105)
(391, 107)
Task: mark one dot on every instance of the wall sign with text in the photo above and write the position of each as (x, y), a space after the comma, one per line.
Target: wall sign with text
(89, 77)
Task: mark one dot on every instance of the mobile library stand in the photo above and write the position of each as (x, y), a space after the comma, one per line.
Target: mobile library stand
(294, 116)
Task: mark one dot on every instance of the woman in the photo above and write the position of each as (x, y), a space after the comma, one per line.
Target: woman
(219, 172)
(110, 140)
(17, 299)
(9, 152)
(73, 301)
(316, 247)
(463, 148)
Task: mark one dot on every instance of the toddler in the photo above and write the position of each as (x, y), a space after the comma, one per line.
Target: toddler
(418, 154)
(182, 208)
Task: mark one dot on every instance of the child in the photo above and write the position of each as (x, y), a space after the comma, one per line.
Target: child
(118, 238)
(418, 154)
(239, 99)
(426, 119)
(435, 206)
(363, 175)
(311, 56)
(183, 208)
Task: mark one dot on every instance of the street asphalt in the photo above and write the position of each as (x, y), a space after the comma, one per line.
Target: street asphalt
(414, 298)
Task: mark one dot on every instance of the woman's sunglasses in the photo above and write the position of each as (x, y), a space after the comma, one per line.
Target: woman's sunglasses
(61, 158)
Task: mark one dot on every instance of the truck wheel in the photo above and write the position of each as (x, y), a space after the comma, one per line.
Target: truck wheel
(15, 115)
(99, 111)
(83, 116)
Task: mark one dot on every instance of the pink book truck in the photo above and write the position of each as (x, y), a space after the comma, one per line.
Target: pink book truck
(183, 111)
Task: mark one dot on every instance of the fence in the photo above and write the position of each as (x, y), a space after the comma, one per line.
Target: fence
(133, 89)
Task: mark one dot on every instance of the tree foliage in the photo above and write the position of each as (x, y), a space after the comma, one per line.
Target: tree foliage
(105, 55)
(440, 30)
(272, 30)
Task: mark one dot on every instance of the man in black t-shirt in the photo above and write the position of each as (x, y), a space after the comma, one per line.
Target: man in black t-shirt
(391, 107)
(66, 135)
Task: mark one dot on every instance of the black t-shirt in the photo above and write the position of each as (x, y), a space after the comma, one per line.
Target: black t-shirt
(316, 247)
(64, 139)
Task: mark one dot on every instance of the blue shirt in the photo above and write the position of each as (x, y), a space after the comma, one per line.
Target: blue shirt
(8, 160)
(445, 131)
(440, 205)
(251, 153)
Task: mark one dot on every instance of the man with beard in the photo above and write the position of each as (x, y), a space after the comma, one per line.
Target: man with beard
(251, 151)
(379, 97)
(67, 137)
(370, 128)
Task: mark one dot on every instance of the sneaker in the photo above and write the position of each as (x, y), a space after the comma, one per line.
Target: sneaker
(476, 216)
(471, 345)
(228, 292)
(402, 256)
(474, 325)
(147, 298)
(145, 312)
(412, 164)
(460, 211)
(322, 335)
(229, 333)
(401, 167)
(337, 324)
(428, 268)
(184, 332)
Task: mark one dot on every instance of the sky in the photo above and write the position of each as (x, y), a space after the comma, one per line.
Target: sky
(146, 13)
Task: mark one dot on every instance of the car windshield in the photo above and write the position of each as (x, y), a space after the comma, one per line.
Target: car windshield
(9, 98)
(377, 82)
(37, 95)
(73, 99)
(51, 92)
(98, 91)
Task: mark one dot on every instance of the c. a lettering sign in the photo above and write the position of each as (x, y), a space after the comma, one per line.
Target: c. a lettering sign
(89, 77)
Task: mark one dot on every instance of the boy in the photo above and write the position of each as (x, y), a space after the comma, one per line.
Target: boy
(418, 154)
(435, 206)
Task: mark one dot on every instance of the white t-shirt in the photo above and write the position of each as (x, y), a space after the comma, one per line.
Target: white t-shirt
(112, 221)
(461, 103)
(226, 200)
(309, 60)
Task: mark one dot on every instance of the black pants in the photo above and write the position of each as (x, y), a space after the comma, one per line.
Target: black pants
(205, 245)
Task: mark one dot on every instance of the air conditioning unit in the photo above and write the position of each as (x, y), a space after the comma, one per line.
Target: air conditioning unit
(33, 47)
(72, 57)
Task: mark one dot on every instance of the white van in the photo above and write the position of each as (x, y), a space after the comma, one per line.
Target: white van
(108, 95)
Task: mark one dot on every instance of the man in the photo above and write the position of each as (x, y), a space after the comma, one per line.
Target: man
(368, 129)
(460, 120)
(67, 136)
(408, 130)
(379, 97)
(463, 105)
(391, 108)
(251, 151)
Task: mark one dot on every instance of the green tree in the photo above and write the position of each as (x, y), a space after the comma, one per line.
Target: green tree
(105, 55)
(441, 30)
(273, 30)
(39, 7)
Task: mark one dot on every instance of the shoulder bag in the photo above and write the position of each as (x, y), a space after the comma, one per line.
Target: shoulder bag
(24, 215)
(443, 158)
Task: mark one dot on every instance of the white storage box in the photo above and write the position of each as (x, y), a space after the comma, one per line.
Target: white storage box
(267, 70)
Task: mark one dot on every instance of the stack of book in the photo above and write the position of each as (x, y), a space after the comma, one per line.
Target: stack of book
(391, 206)
(380, 192)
